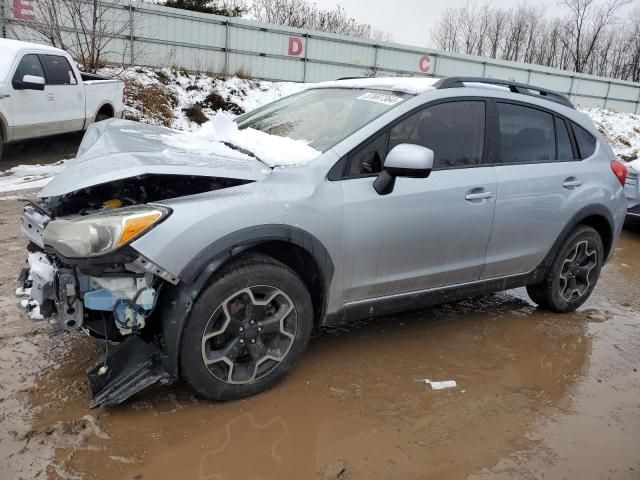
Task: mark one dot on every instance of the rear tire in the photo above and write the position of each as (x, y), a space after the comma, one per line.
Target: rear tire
(247, 330)
(573, 274)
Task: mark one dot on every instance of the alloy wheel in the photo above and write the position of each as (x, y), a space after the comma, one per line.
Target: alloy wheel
(249, 334)
(578, 270)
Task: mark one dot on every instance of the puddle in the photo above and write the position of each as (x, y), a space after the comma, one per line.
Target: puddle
(535, 393)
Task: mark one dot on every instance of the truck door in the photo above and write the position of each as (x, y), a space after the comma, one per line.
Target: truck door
(31, 113)
(67, 92)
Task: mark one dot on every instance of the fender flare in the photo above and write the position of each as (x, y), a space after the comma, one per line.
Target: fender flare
(177, 301)
(592, 210)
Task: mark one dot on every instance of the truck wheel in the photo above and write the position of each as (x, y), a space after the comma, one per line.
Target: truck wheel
(1, 145)
(247, 330)
(100, 117)
(573, 273)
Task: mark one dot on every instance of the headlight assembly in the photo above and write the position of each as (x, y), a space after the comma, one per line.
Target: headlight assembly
(103, 232)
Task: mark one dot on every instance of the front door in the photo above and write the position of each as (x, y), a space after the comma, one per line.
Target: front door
(427, 233)
(67, 92)
(31, 112)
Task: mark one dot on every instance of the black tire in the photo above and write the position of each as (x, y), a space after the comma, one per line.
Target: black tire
(1, 144)
(254, 272)
(100, 117)
(569, 284)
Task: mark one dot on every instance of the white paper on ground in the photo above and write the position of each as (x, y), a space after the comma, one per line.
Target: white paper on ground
(441, 385)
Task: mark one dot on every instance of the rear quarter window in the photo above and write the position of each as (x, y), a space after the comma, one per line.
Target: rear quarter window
(586, 142)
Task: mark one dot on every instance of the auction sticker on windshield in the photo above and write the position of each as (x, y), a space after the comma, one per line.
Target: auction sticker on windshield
(383, 98)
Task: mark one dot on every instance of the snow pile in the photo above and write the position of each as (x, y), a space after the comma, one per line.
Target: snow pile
(25, 177)
(270, 149)
(622, 131)
(183, 101)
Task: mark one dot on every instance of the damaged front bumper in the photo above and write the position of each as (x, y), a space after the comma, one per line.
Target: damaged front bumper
(112, 297)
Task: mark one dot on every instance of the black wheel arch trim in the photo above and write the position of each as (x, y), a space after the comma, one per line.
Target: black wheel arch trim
(597, 210)
(177, 301)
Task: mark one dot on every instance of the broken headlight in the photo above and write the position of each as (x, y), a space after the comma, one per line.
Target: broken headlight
(103, 232)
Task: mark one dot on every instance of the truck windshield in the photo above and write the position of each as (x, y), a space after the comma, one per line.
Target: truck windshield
(322, 117)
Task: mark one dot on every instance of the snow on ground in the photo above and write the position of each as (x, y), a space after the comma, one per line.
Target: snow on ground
(622, 130)
(184, 100)
(25, 177)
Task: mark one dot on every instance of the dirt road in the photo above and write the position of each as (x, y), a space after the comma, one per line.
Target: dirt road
(539, 396)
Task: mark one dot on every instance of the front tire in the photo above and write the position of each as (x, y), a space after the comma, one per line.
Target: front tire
(573, 273)
(247, 330)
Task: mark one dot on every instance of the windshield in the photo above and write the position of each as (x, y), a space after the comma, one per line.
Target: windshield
(322, 117)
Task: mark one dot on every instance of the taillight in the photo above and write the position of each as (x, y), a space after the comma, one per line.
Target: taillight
(124, 95)
(619, 170)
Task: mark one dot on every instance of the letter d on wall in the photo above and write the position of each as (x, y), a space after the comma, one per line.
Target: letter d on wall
(295, 46)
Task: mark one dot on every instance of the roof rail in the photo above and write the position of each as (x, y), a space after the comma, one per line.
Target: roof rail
(515, 87)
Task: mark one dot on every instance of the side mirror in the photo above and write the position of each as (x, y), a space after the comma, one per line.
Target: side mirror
(30, 82)
(404, 160)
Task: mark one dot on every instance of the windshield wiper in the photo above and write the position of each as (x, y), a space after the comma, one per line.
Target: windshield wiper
(233, 146)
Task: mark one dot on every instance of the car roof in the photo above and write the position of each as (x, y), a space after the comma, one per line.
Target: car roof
(411, 85)
(10, 48)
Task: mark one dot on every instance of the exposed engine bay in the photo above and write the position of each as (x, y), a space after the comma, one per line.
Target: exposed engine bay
(111, 296)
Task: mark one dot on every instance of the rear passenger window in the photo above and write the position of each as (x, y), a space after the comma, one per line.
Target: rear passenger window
(29, 65)
(59, 72)
(586, 142)
(527, 135)
(454, 131)
(565, 150)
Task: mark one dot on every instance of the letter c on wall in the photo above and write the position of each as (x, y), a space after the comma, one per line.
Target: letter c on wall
(295, 46)
(424, 65)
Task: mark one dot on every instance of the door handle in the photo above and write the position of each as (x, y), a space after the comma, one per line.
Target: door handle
(571, 183)
(50, 97)
(478, 196)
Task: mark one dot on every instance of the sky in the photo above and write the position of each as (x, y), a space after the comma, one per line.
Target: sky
(409, 21)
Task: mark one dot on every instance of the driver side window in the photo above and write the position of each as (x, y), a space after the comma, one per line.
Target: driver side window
(29, 65)
(453, 130)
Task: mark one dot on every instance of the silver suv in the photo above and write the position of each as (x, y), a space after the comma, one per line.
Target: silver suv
(214, 265)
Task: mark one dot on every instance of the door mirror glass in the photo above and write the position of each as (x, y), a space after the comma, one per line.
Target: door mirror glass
(404, 160)
(30, 82)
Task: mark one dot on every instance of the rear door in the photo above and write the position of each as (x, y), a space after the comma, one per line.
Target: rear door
(67, 92)
(429, 232)
(541, 184)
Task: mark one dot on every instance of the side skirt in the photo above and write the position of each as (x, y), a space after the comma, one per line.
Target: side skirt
(413, 300)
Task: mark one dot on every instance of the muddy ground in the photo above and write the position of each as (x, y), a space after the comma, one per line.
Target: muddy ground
(539, 395)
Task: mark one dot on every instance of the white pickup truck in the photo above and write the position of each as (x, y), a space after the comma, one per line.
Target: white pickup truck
(43, 93)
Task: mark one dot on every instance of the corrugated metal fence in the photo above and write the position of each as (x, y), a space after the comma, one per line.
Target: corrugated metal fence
(160, 36)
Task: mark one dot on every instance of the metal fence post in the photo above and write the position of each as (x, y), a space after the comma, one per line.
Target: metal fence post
(606, 97)
(375, 58)
(307, 37)
(638, 103)
(226, 46)
(3, 28)
(131, 30)
(571, 86)
(436, 64)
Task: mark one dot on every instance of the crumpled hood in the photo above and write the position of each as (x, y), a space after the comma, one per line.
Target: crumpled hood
(118, 149)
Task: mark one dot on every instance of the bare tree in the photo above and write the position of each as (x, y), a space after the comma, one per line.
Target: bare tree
(585, 25)
(87, 29)
(303, 14)
(586, 36)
